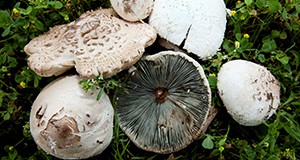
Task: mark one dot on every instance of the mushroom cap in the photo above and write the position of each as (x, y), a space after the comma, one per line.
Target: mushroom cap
(69, 123)
(167, 104)
(98, 43)
(198, 26)
(133, 10)
(250, 93)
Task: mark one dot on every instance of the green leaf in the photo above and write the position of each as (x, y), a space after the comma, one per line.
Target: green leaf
(212, 79)
(290, 99)
(284, 60)
(100, 94)
(5, 32)
(12, 61)
(39, 25)
(36, 81)
(261, 58)
(5, 19)
(13, 154)
(6, 116)
(26, 11)
(55, 4)
(250, 152)
(222, 141)
(20, 78)
(283, 35)
(268, 46)
(20, 22)
(10, 110)
(260, 3)
(3, 58)
(298, 7)
(274, 6)
(284, 14)
(248, 1)
(238, 36)
(275, 33)
(208, 143)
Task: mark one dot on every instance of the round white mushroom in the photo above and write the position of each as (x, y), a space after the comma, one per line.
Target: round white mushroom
(250, 93)
(197, 25)
(69, 123)
(133, 10)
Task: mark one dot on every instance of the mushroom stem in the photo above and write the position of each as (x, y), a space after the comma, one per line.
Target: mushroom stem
(212, 114)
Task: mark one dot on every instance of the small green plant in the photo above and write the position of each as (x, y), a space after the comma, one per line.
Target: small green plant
(108, 85)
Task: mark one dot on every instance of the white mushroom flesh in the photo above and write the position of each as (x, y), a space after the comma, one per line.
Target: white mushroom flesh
(250, 93)
(133, 10)
(69, 123)
(96, 44)
(198, 26)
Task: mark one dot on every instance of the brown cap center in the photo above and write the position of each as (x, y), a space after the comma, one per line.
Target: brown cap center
(161, 94)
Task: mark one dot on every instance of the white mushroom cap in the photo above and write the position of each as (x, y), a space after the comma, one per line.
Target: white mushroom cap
(69, 123)
(133, 10)
(198, 26)
(98, 43)
(250, 93)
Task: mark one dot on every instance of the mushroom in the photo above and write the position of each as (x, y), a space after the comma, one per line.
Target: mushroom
(197, 26)
(167, 102)
(98, 43)
(133, 10)
(250, 93)
(69, 123)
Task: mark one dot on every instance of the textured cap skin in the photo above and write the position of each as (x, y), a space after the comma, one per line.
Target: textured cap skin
(197, 25)
(167, 104)
(250, 93)
(98, 43)
(133, 10)
(69, 123)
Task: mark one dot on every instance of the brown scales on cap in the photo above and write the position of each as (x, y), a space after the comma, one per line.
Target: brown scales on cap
(62, 132)
(98, 43)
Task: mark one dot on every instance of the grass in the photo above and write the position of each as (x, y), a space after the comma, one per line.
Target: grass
(262, 31)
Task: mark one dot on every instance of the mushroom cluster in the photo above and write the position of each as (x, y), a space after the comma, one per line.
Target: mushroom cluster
(168, 100)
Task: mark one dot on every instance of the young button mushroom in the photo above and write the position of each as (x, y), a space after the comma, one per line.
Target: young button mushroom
(133, 10)
(167, 103)
(69, 123)
(197, 25)
(250, 93)
(98, 43)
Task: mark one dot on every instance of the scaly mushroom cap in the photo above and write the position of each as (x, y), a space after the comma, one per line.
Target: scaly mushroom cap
(133, 10)
(250, 93)
(69, 123)
(197, 25)
(167, 104)
(97, 44)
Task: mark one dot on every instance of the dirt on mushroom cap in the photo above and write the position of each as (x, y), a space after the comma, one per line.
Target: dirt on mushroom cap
(98, 43)
(167, 103)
